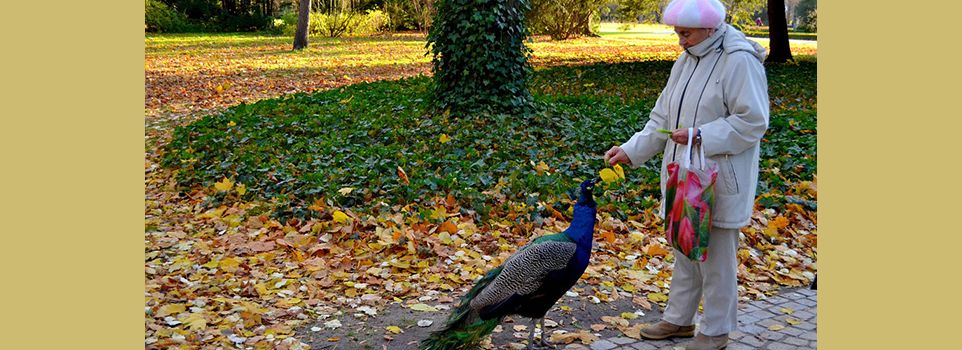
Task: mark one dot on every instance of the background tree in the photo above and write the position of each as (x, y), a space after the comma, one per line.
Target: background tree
(303, 19)
(410, 14)
(640, 10)
(563, 18)
(778, 33)
(807, 18)
(741, 12)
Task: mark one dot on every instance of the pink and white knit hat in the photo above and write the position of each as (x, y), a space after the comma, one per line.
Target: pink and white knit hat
(694, 13)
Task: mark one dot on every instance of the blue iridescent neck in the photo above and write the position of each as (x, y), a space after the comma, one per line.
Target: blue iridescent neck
(582, 224)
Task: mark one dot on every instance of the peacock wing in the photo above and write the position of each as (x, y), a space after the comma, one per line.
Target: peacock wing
(525, 272)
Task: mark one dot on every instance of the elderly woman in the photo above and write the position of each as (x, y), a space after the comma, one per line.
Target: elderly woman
(717, 86)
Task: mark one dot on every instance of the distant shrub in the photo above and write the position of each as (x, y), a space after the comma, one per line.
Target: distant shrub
(333, 25)
(410, 14)
(160, 18)
(375, 21)
(809, 23)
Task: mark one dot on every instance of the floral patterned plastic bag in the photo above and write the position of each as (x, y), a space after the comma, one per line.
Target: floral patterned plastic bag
(689, 198)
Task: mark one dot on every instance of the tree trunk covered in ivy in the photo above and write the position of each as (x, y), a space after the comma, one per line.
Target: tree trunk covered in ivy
(480, 62)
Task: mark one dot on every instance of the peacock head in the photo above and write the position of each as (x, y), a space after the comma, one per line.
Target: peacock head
(587, 197)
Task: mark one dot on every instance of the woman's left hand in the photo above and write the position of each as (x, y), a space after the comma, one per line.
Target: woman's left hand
(680, 136)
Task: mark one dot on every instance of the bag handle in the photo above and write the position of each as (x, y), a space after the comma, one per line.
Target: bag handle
(701, 164)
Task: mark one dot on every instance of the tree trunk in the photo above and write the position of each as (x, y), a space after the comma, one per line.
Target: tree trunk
(778, 33)
(303, 18)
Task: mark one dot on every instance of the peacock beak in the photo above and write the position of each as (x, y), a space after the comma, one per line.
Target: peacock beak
(591, 183)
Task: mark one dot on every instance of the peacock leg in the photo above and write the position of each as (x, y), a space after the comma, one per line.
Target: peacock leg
(544, 333)
(531, 334)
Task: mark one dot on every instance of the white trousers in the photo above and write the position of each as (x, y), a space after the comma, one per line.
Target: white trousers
(716, 279)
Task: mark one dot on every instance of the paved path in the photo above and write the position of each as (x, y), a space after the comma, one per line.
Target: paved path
(756, 321)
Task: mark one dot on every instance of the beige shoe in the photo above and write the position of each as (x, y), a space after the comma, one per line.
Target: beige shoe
(704, 342)
(665, 330)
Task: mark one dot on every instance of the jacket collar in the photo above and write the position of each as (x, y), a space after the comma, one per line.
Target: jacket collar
(712, 42)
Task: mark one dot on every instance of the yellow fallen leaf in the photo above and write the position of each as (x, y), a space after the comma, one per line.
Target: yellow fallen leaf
(224, 185)
(633, 331)
(787, 310)
(565, 308)
(345, 191)
(641, 302)
(241, 189)
(617, 321)
(195, 322)
(229, 264)
(776, 327)
(423, 307)
(584, 336)
(340, 217)
(444, 138)
(793, 321)
(657, 297)
(171, 309)
(541, 168)
(232, 123)
(394, 329)
(629, 315)
(439, 214)
(400, 264)
(608, 175)
(445, 238)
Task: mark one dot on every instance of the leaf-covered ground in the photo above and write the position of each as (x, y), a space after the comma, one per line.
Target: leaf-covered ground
(222, 270)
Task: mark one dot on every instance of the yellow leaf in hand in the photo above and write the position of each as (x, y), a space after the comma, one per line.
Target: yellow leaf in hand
(619, 171)
(608, 175)
(340, 217)
(224, 185)
(444, 138)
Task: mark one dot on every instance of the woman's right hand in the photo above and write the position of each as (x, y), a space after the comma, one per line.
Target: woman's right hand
(616, 155)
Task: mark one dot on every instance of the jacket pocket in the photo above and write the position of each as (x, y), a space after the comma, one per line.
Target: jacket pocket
(731, 178)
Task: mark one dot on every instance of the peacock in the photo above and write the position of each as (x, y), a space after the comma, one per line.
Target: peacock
(527, 284)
